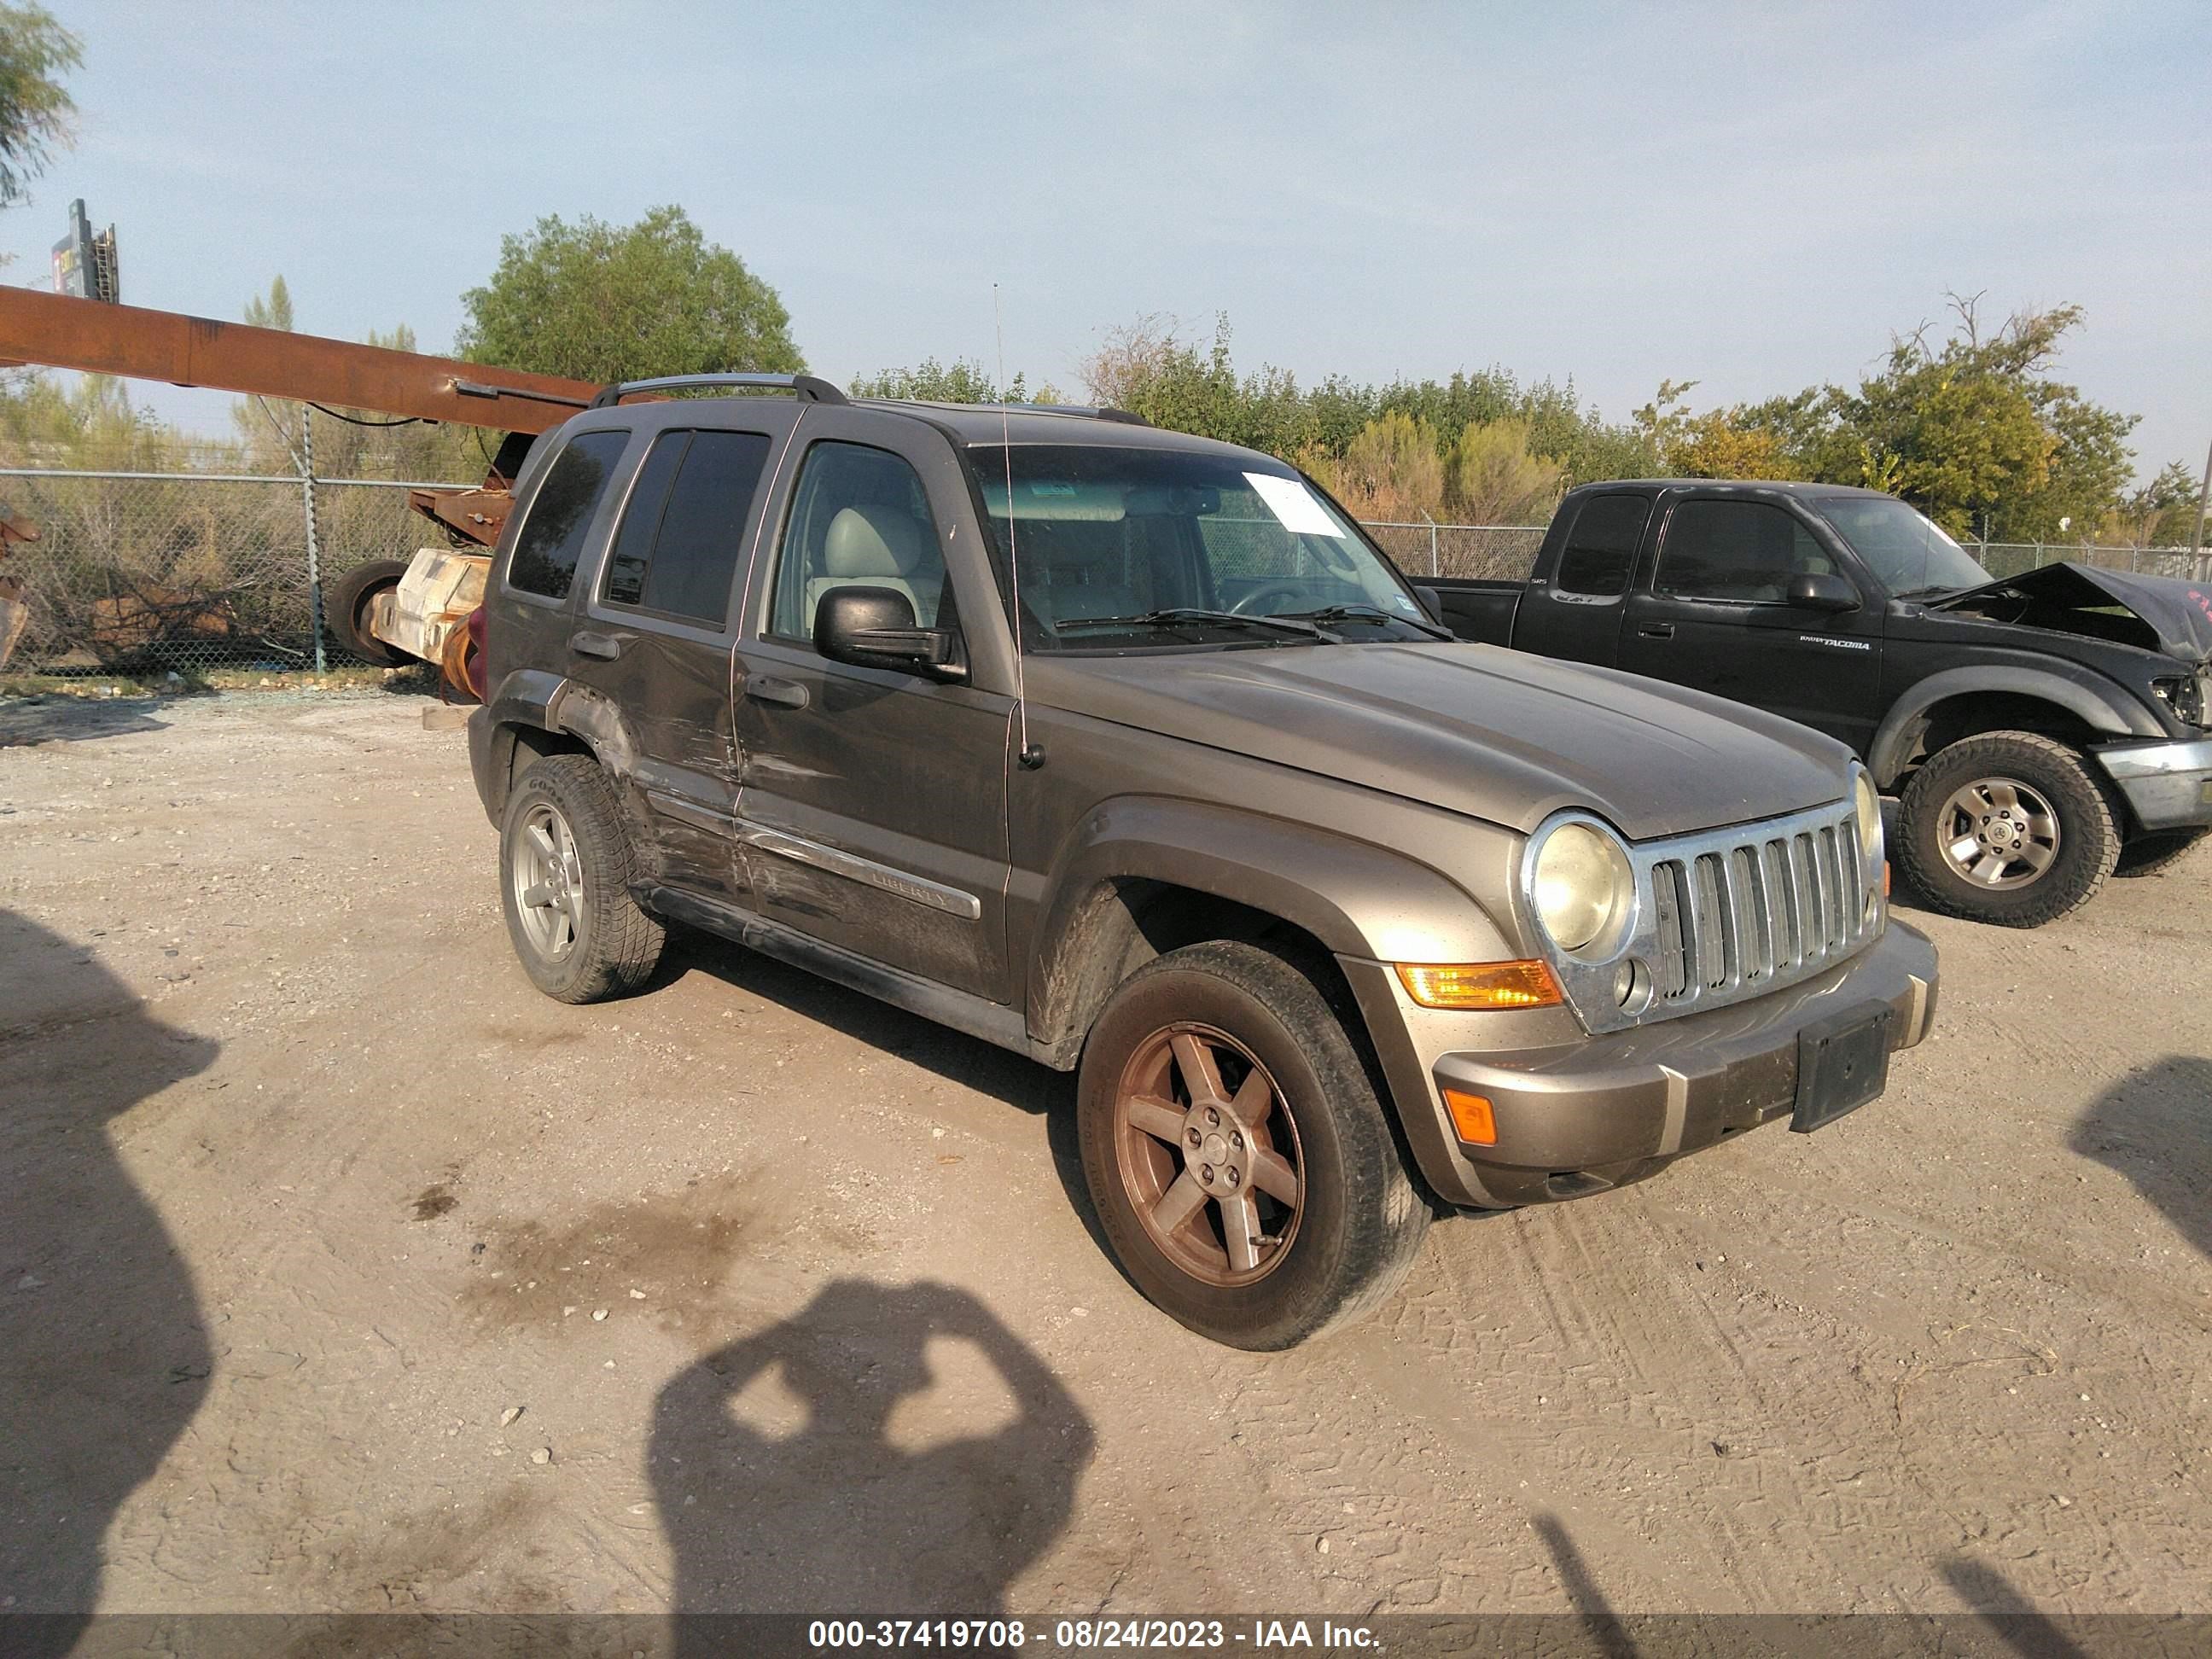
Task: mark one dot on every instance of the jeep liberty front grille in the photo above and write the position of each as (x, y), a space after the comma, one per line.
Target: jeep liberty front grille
(1725, 915)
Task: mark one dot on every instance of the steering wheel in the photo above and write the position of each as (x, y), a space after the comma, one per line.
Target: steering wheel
(1250, 605)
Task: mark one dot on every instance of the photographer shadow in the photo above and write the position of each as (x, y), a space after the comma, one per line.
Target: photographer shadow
(886, 1450)
(106, 1353)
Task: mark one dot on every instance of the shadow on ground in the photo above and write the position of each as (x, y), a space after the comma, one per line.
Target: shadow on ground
(73, 719)
(2155, 1128)
(969, 1062)
(103, 1355)
(886, 1447)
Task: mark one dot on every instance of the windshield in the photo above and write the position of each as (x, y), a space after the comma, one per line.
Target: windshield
(1908, 553)
(1122, 549)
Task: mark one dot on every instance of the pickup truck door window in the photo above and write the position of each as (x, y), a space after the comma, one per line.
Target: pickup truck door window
(656, 638)
(1718, 617)
(1576, 613)
(874, 802)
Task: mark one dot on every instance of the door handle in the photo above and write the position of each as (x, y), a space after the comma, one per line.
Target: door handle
(1657, 630)
(788, 693)
(589, 644)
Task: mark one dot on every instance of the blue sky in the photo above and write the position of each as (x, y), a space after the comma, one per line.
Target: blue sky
(1751, 196)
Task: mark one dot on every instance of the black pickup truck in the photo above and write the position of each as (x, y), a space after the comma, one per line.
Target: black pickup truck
(2043, 729)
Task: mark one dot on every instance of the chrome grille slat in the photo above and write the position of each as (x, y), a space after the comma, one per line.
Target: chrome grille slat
(1732, 914)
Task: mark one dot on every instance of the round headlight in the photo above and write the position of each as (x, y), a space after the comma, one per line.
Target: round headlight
(1582, 886)
(1868, 806)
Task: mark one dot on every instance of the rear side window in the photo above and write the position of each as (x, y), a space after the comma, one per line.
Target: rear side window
(681, 533)
(1745, 551)
(1600, 546)
(552, 536)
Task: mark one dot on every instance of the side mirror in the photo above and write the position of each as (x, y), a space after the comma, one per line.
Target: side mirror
(874, 627)
(1432, 601)
(1824, 591)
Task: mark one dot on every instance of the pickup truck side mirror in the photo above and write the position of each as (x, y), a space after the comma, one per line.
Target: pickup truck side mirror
(1823, 592)
(874, 627)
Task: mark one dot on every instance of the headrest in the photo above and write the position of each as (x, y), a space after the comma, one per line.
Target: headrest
(872, 541)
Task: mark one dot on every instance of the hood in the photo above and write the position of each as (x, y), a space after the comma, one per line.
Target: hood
(1476, 729)
(2158, 613)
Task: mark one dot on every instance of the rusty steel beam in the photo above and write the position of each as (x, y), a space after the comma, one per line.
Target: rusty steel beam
(56, 331)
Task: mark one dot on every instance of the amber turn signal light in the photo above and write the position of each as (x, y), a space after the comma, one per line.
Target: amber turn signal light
(1480, 984)
(1471, 1119)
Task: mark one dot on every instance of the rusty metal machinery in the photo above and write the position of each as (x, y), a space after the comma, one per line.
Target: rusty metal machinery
(423, 611)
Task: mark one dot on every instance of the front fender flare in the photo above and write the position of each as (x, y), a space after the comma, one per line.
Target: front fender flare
(2082, 692)
(1357, 898)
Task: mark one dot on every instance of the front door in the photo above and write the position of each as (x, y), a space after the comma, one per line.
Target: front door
(1716, 615)
(656, 632)
(874, 802)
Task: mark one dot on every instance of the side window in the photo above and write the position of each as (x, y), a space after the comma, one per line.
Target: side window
(683, 527)
(1600, 548)
(859, 517)
(1742, 551)
(552, 536)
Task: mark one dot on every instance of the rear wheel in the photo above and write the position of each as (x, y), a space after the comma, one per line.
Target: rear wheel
(565, 870)
(2155, 850)
(1240, 1160)
(2008, 828)
(348, 610)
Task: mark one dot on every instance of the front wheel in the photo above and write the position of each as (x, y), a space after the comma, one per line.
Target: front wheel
(2008, 828)
(1239, 1158)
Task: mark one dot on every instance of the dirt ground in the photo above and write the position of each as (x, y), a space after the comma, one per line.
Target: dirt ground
(341, 1270)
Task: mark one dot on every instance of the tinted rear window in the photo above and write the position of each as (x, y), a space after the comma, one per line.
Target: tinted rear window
(682, 532)
(1600, 546)
(552, 536)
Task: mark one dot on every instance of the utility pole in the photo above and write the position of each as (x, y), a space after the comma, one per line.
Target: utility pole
(2196, 526)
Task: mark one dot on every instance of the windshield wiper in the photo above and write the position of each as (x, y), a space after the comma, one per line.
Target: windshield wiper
(1368, 613)
(1934, 590)
(1178, 616)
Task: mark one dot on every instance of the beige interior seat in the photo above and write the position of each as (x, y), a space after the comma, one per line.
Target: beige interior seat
(874, 546)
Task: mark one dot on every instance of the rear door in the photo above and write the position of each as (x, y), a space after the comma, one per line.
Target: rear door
(1574, 611)
(874, 802)
(1716, 615)
(657, 630)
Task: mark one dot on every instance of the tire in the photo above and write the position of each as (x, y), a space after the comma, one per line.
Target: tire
(1276, 1044)
(346, 611)
(587, 940)
(2045, 831)
(2157, 849)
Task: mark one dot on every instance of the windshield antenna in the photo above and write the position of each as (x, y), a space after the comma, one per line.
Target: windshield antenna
(1028, 754)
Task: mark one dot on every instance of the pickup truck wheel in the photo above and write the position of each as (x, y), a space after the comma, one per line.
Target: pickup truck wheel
(566, 867)
(1234, 1145)
(2007, 828)
(347, 611)
(2148, 853)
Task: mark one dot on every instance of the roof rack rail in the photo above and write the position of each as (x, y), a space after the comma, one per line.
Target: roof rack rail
(809, 388)
(1121, 414)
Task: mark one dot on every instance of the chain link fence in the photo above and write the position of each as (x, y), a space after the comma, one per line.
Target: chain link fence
(190, 572)
(146, 572)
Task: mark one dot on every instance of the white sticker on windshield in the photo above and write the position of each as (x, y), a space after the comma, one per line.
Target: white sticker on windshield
(1298, 509)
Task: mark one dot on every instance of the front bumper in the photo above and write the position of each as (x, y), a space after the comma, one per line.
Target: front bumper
(1578, 1118)
(2168, 785)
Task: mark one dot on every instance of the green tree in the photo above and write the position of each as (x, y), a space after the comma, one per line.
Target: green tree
(1492, 476)
(273, 309)
(35, 110)
(962, 381)
(604, 302)
(1391, 471)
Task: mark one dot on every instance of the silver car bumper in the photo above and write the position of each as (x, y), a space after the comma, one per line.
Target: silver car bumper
(2168, 785)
